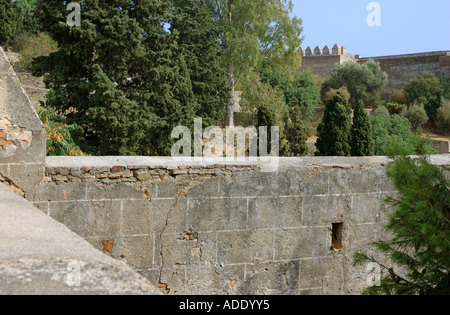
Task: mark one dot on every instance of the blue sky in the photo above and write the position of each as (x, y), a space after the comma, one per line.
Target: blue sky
(407, 26)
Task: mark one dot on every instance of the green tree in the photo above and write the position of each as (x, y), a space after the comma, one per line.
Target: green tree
(361, 134)
(198, 35)
(393, 131)
(443, 118)
(296, 136)
(364, 81)
(301, 90)
(120, 76)
(445, 85)
(8, 22)
(27, 21)
(419, 229)
(425, 89)
(416, 115)
(253, 31)
(334, 131)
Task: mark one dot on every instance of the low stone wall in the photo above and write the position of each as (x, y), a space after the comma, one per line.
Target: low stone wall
(206, 228)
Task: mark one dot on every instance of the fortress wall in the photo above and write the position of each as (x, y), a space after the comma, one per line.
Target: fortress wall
(204, 228)
(402, 68)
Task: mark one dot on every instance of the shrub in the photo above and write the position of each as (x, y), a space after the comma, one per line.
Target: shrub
(381, 110)
(395, 108)
(394, 131)
(416, 115)
(34, 46)
(398, 96)
(425, 89)
(443, 118)
(59, 139)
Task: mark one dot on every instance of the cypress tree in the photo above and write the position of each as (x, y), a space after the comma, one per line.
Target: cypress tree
(198, 35)
(334, 131)
(120, 76)
(7, 22)
(361, 135)
(296, 133)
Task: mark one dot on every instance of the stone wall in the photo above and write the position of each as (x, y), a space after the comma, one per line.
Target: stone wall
(22, 135)
(400, 68)
(204, 228)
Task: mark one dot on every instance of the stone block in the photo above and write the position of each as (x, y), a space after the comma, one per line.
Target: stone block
(89, 219)
(135, 217)
(137, 251)
(272, 278)
(168, 216)
(217, 214)
(296, 243)
(212, 280)
(324, 210)
(244, 246)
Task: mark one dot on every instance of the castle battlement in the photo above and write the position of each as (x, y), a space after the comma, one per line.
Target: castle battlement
(400, 68)
(325, 51)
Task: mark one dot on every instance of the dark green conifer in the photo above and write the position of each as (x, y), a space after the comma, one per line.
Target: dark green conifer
(334, 131)
(7, 22)
(120, 76)
(361, 134)
(198, 35)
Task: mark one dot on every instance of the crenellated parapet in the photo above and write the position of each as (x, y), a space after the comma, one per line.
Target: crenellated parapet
(325, 51)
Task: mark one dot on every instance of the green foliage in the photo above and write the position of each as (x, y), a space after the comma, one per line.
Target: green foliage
(33, 46)
(444, 80)
(364, 81)
(198, 38)
(253, 29)
(59, 138)
(419, 229)
(121, 76)
(296, 135)
(334, 132)
(361, 132)
(300, 91)
(392, 131)
(416, 115)
(8, 22)
(395, 108)
(425, 89)
(28, 23)
(443, 118)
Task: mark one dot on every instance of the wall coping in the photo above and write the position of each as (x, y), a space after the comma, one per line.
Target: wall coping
(111, 161)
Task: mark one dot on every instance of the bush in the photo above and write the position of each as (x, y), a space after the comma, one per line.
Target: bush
(425, 89)
(398, 96)
(381, 110)
(394, 131)
(59, 139)
(416, 115)
(443, 118)
(395, 108)
(34, 46)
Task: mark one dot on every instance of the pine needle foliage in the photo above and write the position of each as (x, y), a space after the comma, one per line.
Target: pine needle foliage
(419, 245)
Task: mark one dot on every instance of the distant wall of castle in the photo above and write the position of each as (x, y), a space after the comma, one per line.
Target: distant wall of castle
(400, 68)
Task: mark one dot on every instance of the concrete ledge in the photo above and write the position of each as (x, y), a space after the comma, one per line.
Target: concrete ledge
(41, 256)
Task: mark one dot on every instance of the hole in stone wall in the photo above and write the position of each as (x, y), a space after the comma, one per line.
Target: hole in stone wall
(336, 237)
